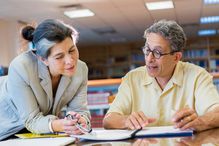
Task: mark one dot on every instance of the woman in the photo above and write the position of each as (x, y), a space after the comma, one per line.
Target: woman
(45, 83)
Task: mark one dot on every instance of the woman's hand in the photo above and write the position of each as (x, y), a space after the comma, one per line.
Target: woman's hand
(70, 125)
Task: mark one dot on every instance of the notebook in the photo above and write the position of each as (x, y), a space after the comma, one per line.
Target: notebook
(152, 132)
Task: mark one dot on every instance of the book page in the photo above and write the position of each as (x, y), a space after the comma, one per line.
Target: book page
(101, 134)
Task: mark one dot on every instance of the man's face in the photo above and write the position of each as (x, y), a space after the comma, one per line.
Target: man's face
(164, 66)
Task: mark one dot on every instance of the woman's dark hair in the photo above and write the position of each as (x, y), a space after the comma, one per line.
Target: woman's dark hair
(27, 33)
(47, 34)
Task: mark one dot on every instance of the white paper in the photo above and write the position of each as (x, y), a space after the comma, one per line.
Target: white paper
(59, 141)
(101, 134)
(160, 130)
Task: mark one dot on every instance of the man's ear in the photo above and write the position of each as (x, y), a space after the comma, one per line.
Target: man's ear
(44, 60)
(178, 56)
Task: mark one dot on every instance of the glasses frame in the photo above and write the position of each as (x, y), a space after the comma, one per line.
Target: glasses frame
(78, 125)
(148, 51)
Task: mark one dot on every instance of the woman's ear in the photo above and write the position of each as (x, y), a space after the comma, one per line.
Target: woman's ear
(44, 60)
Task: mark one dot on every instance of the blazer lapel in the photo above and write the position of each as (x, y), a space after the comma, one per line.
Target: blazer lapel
(45, 80)
(63, 84)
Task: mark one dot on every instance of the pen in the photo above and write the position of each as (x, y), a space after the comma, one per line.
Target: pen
(78, 125)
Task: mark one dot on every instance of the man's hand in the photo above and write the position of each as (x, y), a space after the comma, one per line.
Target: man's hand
(137, 120)
(186, 118)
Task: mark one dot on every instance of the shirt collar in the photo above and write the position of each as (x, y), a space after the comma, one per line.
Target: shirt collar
(177, 77)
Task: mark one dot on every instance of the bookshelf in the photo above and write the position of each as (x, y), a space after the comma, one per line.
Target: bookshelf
(203, 51)
(100, 94)
(113, 61)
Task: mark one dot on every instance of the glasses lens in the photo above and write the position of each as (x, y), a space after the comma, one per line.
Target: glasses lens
(156, 54)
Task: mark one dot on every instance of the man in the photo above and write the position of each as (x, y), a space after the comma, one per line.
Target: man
(166, 91)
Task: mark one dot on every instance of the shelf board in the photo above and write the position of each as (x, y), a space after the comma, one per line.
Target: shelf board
(215, 74)
(98, 106)
(103, 82)
(138, 62)
(195, 58)
(118, 64)
(214, 57)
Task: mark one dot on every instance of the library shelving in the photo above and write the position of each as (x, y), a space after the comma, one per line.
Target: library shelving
(203, 51)
(112, 61)
(100, 94)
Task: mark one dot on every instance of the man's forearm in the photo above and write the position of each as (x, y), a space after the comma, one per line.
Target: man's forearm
(114, 121)
(208, 121)
(212, 118)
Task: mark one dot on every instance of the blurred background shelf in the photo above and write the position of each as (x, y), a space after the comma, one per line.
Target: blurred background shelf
(100, 94)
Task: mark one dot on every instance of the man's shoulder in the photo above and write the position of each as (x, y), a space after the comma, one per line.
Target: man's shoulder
(192, 69)
(187, 66)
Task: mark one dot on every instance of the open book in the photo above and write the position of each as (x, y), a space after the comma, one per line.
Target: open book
(163, 131)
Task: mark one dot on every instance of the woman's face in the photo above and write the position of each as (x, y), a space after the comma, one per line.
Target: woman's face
(63, 58)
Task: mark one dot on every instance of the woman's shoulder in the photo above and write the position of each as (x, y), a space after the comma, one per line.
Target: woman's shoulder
(81, 65)
(24, 64)
(24, 59)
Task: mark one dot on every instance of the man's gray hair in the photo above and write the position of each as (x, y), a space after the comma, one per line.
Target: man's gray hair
(171, 31)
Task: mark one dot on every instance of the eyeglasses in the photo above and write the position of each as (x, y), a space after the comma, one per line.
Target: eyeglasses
(146, 50)
(78, 125)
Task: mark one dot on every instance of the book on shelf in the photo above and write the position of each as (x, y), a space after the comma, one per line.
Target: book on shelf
(148, 132)
(98, 98)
